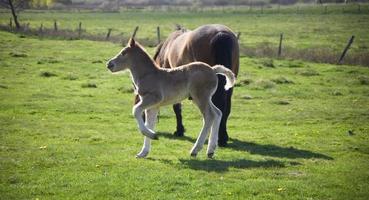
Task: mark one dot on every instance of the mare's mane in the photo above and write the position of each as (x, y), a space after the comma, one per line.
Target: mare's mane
(160, 49)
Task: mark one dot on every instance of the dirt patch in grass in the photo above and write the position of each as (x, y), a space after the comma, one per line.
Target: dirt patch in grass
(18, 54)
(263, 84)
(363, 80)
(126, 89)
(70, 77)
(3, 86)
(282, 80)
(47, 74)
(89, 85)
(307, 72)
(48, 60)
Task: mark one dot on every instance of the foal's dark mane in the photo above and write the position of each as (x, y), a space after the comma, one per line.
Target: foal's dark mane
(143, 51)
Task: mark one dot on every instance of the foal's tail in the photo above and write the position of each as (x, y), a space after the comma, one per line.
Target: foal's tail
(230, 77)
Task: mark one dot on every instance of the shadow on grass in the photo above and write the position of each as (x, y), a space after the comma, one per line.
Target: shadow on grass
(274, 150)
(173, 137)
(223, 166)
(261, 149)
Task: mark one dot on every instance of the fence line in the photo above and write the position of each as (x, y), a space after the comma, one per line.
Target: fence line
(312, 54)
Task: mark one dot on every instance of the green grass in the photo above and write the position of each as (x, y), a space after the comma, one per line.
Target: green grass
(66, 131)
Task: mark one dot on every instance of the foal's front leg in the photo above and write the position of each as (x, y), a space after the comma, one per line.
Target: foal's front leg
(151, 117)
(146, 102)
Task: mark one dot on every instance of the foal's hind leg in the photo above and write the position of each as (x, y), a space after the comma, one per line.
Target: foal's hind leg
(208, 118)
(151, 117)
(213, 139)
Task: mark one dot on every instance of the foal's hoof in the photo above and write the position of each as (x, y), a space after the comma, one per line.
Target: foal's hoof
(210, 155)
(154, 137)
(142, 155)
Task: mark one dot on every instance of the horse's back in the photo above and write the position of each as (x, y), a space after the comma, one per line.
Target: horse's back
(199, 45)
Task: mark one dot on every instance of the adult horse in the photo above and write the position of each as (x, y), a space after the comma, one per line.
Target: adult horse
(212, 44)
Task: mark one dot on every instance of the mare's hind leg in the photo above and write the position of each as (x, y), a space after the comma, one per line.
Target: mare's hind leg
(220, 101)
(208, 118)
(213, 139)
(178, 111)
(151, 117)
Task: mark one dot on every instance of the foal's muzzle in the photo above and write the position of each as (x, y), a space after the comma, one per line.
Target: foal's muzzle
(110, 65)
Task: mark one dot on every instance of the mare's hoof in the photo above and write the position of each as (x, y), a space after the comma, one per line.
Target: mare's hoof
(210, 155)
(193, 155)
(179, 133)
(222, 143)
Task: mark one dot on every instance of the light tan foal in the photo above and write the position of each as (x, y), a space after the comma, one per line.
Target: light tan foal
(157, 87)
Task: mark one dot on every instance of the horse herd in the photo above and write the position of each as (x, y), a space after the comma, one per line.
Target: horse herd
(200, 64)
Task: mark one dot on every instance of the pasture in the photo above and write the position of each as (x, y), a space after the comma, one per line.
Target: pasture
(298, 130)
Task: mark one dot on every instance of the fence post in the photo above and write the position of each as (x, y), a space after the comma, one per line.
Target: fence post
(346, 49)
(79, 29)
(158, 33)
(325, 9)
(262, 9)
(41, 28)
(55, 26)
(134, 32)
(108, 34)
(280, 45)
(10, 23)
(26, 27)
(238, 35)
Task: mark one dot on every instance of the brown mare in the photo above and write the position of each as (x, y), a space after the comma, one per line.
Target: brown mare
(157, 87)
(211, 44)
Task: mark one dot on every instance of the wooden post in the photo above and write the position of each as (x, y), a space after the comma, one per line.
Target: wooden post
(280, 45)
(158, 33)
(346, 49)
(134, 32)
(41, 28)
(238, 35)
(279, 7)
(358, 8)
(11, 23)
(55, 26)
(261, 9)
(108, 34)
(79, 29)
(26, 27)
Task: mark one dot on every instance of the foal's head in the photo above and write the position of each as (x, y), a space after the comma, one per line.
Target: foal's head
(121, 62)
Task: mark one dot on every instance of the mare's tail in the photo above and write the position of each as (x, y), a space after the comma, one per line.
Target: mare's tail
(230, 77)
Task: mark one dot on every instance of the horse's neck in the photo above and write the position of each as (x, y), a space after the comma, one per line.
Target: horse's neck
(141, 65)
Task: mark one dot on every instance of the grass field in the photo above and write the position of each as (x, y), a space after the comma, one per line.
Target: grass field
(299, 130)
(303, 26)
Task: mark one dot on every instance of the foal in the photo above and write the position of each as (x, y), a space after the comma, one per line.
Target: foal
(157, 87)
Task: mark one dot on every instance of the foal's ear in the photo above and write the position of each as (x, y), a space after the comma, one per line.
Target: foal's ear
(132, 42)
